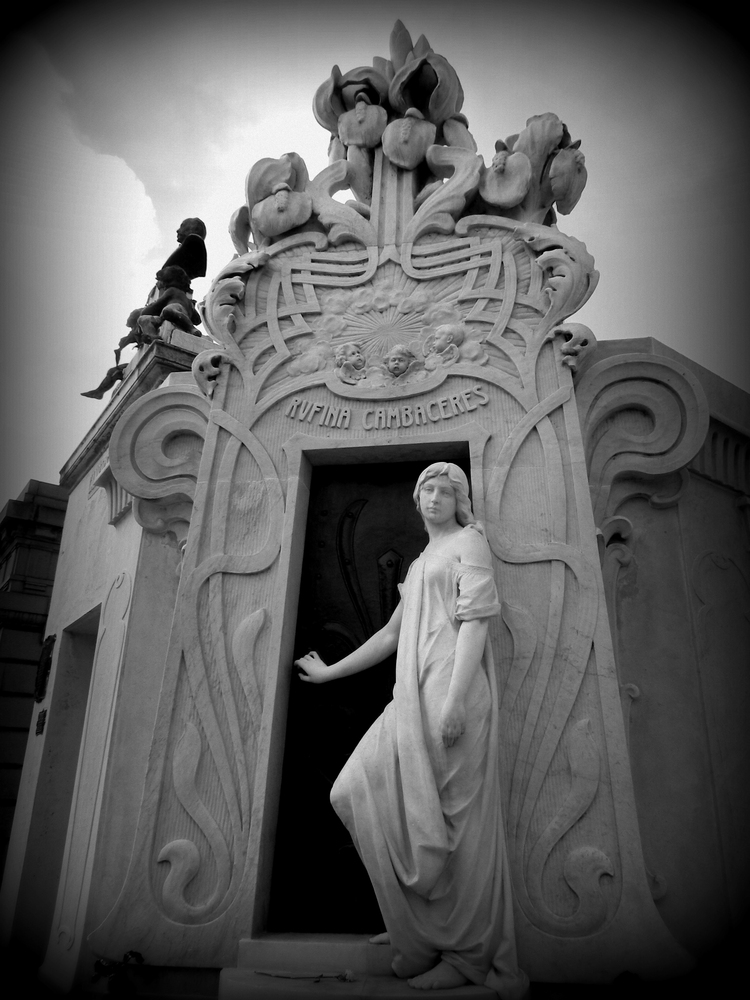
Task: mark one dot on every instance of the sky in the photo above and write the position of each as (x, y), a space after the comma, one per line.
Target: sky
(119, 119)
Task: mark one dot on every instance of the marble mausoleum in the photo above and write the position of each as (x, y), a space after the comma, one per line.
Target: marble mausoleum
(246, 496)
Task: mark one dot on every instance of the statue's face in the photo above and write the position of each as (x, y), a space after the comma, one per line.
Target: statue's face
(443, 338)
(186, 229)
(437, 500)
(397, 364)
(352, 354)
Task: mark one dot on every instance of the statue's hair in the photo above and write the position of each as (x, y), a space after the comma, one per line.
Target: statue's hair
(460, 484)
(174, 276)
(401, 349)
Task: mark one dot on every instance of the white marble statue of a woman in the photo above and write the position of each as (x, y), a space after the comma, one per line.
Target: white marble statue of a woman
(420, 794)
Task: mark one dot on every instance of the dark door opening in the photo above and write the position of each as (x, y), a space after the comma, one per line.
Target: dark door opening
(363, 532)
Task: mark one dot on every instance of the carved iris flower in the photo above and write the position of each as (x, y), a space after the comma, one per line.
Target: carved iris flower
(567, 178)
(545, 141)
(534, 170)
(341, 91)
(506, 182)
(428, 83)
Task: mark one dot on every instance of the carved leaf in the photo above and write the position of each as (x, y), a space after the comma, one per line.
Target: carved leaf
(183, 856)
(439, 212)
(400, 46)
(583, 866)
(343, 221)
(243, 653)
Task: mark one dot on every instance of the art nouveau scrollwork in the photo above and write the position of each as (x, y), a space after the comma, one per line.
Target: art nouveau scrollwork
(155, 453)
(641, 415)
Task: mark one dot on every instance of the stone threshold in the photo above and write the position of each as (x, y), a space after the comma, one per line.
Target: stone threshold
(247, 984)
(265, 963)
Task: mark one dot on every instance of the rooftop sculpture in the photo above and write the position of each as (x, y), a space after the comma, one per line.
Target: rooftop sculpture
(402, 117)
(169, 305)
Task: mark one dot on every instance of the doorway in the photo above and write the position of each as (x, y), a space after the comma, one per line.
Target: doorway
(363, 532)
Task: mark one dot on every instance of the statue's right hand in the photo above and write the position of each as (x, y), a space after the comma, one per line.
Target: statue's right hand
(312, 669)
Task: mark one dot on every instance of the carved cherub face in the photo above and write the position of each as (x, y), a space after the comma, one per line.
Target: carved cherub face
(350, 353)
(398, 361)
(447, 334)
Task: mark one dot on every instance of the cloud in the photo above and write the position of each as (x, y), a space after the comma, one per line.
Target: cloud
(78, 226)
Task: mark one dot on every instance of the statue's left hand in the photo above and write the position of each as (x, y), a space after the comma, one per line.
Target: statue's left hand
(452, 722)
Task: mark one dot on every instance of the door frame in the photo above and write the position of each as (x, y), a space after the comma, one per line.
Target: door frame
(304, 452)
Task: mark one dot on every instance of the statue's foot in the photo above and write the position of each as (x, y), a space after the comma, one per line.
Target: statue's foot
(442, 977)
(94, 394)
(383, 938)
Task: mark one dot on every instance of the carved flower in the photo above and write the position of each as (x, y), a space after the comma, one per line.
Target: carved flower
(282, 211)
(428, 82)
(406, 140)
(541, 137)
(268, 175)
(557, 167)
(567, 178)
(340, 91)
(506, 182)
(364, 125)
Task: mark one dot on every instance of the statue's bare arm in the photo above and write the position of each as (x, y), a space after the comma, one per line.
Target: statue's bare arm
(470, 642)
(379, 646)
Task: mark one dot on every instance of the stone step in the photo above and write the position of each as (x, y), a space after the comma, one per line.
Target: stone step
(316, 953)
(247, 984)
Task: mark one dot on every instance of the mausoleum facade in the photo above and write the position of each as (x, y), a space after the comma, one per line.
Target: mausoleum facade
(260, 505)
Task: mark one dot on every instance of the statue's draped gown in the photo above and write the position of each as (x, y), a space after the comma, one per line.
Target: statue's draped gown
(426, 819)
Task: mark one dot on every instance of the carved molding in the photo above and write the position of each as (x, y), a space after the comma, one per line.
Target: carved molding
(118, 499)
(70, 911)
(641, 414)
(155, 453)
(724, 457)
